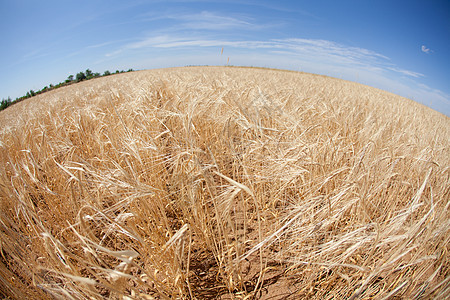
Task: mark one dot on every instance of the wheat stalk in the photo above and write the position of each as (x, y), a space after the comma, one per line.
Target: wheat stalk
(231, 183)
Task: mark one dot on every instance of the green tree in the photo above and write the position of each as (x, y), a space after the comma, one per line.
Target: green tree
(5, 103)
(69, 78)
(89, 74)
(107, 73)
(80, 76)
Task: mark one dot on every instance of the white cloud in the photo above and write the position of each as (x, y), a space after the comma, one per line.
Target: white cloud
(312, 50)
(406, 72)
(425, 49)
(148, 42)
(211, 21)
(204, 20)
(431, 97)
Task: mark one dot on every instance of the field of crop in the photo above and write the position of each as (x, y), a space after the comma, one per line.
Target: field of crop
(223, 183)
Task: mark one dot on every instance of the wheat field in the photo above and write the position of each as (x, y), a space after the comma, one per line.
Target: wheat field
(223, 183)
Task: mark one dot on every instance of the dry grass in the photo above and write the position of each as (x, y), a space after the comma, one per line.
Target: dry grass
(229, 183)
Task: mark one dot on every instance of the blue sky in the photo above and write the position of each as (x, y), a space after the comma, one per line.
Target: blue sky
(399, 46)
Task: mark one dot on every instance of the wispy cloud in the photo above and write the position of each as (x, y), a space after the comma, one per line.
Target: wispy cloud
(425, 49)
(432, 97)
(36, 54)
(206, 20)
(330, 52)
(314, 50)
(101, 45)
(151, 42)
(406, 72)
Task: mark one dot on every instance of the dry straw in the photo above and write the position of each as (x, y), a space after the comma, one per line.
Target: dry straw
(228, 183)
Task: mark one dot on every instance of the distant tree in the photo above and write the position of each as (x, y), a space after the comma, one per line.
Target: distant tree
(5, 103)
(89, 74)
(80, 76)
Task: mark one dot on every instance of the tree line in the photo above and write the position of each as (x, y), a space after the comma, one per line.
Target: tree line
(80, 76)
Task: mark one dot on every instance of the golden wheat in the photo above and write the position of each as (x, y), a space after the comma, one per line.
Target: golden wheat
(221, 182)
